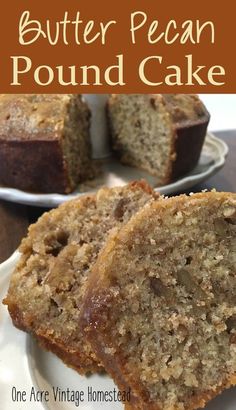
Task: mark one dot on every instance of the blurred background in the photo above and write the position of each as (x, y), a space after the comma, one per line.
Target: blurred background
(223, 110)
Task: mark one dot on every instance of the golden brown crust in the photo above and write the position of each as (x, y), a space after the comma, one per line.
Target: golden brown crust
(32, 116)
(72, 358)
(196, 402)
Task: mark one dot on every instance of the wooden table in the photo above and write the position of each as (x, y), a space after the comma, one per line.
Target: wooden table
(15, 218)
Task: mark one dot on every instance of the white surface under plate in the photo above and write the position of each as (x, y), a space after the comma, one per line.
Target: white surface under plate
(24, 365)
(113, 174)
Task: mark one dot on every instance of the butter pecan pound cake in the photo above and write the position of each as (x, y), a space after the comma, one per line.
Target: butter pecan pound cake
(159, 133)
(160, 311)
(47, 287)
(44, 142)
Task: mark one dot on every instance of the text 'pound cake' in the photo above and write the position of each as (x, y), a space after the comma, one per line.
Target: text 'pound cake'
(159, 133)
(44, 142)
(47, 288)
(160, 311)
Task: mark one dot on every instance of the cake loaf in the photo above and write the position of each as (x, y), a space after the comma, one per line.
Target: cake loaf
(44, 142)
(47, 288)
(161, 134)
(160, 307)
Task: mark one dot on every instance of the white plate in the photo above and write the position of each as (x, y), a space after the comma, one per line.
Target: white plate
(23, 366)
(212, 159)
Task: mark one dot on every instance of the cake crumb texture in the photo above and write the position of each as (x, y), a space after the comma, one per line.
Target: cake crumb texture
(162, 134)
(160, 307)
(48, 285)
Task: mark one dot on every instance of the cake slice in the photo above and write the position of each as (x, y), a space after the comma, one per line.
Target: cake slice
(159, 133)
(48, 285)
(160, 309)
(44, 142)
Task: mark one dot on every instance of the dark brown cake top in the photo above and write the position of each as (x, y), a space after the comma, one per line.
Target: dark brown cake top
(33, 116)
